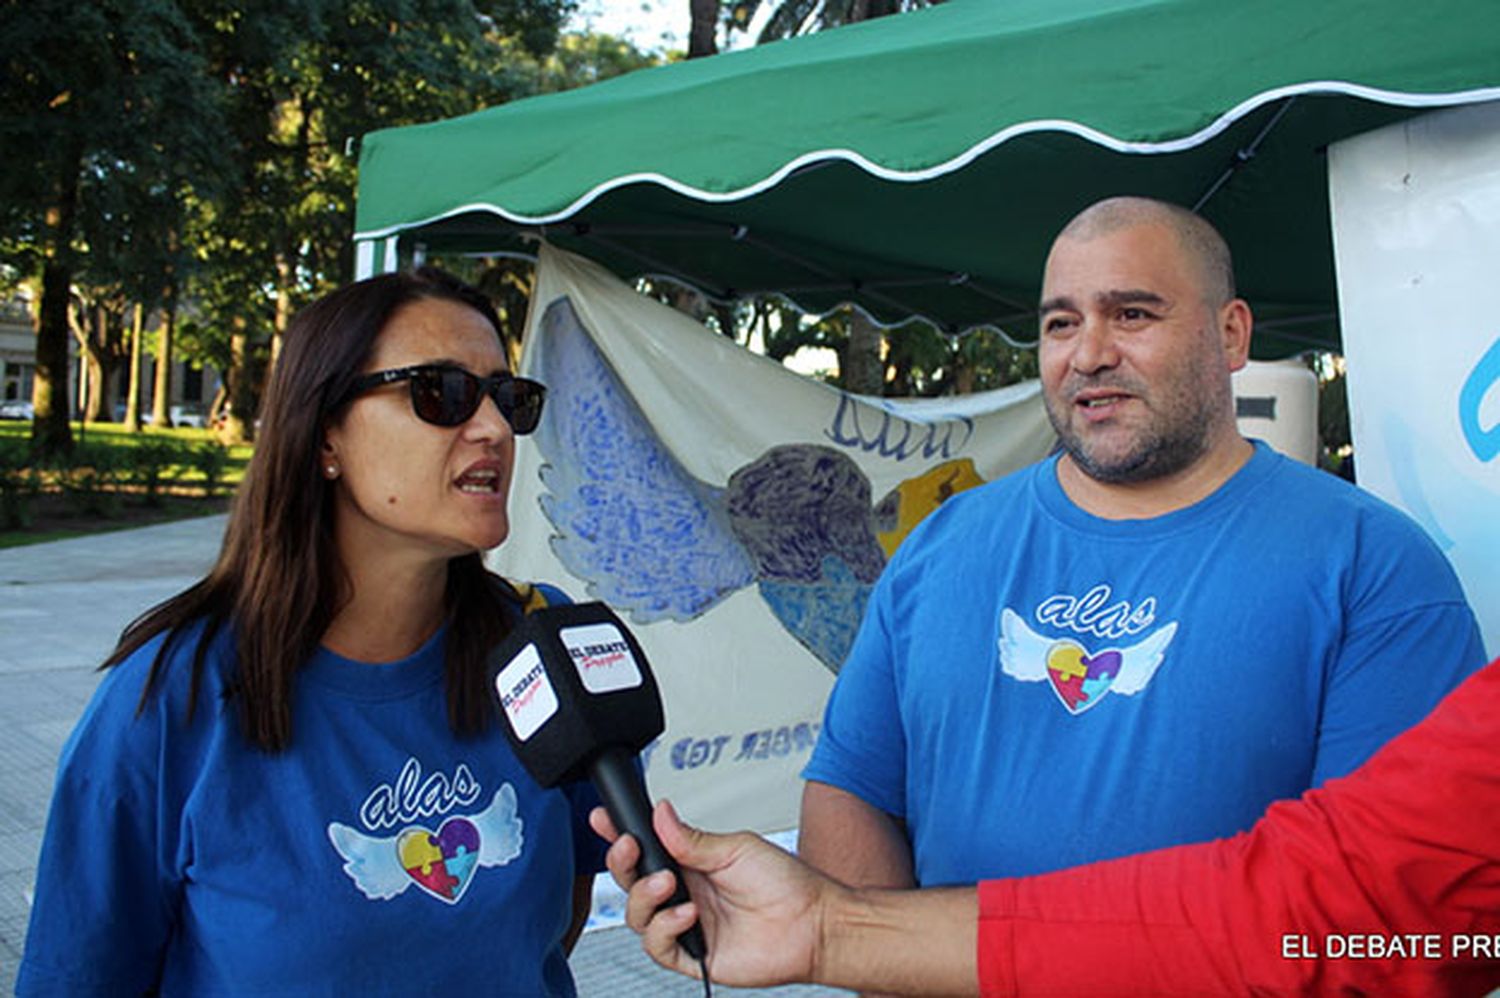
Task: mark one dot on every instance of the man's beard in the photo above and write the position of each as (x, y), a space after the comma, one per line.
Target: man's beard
(1177, 436)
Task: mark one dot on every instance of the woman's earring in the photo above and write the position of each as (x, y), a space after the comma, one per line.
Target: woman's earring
(331, 472)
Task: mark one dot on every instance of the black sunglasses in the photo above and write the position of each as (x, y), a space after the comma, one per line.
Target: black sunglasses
(447, 396)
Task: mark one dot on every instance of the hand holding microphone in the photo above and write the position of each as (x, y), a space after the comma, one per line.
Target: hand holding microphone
(762, 906)
(579, 700)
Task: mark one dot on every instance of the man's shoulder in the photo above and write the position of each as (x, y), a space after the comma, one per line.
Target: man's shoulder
(1302, 490)
(1355, 534)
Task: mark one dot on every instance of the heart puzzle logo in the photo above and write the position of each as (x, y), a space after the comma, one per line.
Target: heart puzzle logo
(441, 863)
(1078, 678)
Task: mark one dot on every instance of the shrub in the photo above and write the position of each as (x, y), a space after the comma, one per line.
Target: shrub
(211, 458)
(19, 481)
(149, 461)
(91, 478)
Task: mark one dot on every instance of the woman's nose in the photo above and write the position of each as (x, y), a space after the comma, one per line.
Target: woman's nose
(488, 423)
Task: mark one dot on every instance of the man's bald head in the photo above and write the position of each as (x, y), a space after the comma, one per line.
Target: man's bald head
(1199, 241)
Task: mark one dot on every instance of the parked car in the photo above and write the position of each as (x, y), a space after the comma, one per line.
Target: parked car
(188, 415)
(17, 409)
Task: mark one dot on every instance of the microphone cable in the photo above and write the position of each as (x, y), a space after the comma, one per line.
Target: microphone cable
(708, 989)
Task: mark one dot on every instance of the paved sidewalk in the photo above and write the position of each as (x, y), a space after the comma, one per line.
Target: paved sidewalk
(62, 606)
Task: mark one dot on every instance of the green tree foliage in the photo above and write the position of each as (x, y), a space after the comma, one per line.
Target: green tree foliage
(1334, 437)
(579, 59)
(303, 83)
(918, 360)
(98, 97)
(784, 330)
(133, 254)
(993, 361)
(200, 156)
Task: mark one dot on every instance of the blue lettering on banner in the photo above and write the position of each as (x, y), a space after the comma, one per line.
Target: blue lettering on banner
(754, 746)
(896, 437)
(1483, 441)
(690, 753)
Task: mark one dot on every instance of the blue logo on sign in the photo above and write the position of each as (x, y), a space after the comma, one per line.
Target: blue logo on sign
(1484, 442)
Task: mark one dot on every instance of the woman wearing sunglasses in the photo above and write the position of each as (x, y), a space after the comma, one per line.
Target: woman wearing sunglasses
(289, 780)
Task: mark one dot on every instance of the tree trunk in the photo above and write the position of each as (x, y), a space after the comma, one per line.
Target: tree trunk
(238, 427)
(100, 351)
(866, 10)
(81, 399)
(963, 370)
(861, 368)
(725, 315)
(283, 314)
(287, 243)
(217, 408)
(50, 433)
(133, 393)
(94, 410)
(687, 301)
(704, 31)
(161, 391)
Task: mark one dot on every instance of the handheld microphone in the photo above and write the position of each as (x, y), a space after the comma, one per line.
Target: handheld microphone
(579, 700)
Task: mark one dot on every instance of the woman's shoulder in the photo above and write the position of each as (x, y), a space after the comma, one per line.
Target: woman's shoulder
(146, 694)
(166, 660)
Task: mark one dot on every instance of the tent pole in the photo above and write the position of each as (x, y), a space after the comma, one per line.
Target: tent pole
(995, 296)
(1246, 154)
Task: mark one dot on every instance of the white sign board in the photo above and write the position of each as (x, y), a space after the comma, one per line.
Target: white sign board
(1416, 221)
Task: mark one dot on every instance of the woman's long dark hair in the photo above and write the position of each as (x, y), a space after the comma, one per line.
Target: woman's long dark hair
(279, 582)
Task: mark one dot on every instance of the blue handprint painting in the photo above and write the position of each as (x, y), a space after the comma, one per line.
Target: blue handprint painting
(652, 540)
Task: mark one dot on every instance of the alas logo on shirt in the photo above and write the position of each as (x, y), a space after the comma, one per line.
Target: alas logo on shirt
(1081, 677)
(440, 861)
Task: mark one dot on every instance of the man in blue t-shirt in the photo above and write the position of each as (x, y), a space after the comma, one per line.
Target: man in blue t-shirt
(1139, 642)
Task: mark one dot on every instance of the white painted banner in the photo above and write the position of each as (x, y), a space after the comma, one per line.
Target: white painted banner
(734, 512)
(1416, 219)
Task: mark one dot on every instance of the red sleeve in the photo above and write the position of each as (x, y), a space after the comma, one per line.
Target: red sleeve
(1373, 872)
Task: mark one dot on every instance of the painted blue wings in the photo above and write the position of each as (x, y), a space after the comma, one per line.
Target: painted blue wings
(656, 542)
(650, 538)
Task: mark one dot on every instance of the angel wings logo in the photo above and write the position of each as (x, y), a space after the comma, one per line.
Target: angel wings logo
(434, 850)
(1079, 675)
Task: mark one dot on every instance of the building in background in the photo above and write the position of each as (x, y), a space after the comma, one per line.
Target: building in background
(193, 389)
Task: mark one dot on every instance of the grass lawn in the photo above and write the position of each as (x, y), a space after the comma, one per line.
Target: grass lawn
(55, 513)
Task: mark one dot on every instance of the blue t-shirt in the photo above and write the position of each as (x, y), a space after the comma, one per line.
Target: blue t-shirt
(379, 854)
(1034, 687)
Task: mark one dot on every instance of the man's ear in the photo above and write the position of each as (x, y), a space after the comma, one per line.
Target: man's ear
(1235, 326)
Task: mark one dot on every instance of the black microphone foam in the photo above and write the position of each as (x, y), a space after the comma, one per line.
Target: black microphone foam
(579, 700)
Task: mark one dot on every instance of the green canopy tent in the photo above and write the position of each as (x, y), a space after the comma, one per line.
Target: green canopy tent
(918, 165)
